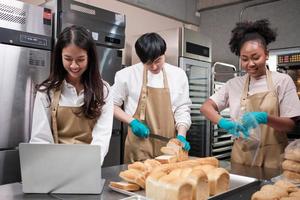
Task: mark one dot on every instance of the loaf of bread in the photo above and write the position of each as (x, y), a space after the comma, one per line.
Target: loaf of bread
(218, 180)
(282, 189)
(124, 186)
(164, 159)
(289, 187)
(265, 195)
(199, 181)
(291, 165)
(168, 187)
(208, 161)
(292, 154)
(289, 198)
(293, 176)
(179, 184)
(295, 194)
(205, 168)
(134, 176)
(279, 191)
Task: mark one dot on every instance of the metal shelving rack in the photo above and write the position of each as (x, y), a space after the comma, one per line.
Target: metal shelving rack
(222, 142)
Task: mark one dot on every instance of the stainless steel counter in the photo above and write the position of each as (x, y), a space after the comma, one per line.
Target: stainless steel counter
(14, 191)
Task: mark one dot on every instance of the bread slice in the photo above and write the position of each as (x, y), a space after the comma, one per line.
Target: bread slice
(174, 147)
(164, 159)
(168, 151)
(138, 166)
(134, 176)
(124, 186)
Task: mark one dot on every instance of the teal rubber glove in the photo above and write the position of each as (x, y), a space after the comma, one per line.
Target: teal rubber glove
(234, 128)
(253, 119)
(186, 144)
(139, 129)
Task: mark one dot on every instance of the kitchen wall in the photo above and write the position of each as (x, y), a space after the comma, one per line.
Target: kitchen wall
(182, 10)
(218, 23)
(138, 21)
(215, 23)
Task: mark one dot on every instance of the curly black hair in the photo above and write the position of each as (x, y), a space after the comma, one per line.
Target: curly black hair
(248, 30)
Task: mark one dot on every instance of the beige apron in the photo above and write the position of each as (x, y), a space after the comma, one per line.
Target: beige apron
(69, 126)
(154, 109)
(272, 142)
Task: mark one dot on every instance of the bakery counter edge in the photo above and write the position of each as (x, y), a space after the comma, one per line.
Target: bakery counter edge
(13, 191)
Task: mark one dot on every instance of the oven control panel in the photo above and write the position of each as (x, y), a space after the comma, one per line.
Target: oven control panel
(292, 59)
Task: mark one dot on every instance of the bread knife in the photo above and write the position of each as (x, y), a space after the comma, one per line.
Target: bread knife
(159, 137)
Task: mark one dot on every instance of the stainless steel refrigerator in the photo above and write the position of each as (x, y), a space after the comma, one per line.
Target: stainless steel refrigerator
(108, 31)
(25, 45)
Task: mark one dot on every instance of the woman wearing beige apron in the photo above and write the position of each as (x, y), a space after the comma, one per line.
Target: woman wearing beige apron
(156, 100)
(261, 102)
(74, 105)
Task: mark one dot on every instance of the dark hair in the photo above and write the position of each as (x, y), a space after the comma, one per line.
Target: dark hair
(244, 31)
(149, 47)
(91, 78)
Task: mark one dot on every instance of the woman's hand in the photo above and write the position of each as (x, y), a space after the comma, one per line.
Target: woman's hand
(234, 128)
(253, 119)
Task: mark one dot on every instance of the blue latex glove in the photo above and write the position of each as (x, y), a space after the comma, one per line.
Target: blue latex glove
(253, 119)
(186, 144)
(234, 128)
(139, 129)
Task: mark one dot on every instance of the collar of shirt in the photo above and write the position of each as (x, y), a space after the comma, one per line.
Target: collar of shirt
(69, 96)
(155, 80)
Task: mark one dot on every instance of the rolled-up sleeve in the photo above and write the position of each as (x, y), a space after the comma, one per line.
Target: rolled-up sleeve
(183, 104)
(103, 127)
(41, 128)
(220, 97)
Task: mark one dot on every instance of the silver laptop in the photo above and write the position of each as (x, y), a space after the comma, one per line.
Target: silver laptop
(61, 168)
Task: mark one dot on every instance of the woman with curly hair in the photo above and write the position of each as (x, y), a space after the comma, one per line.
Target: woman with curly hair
(73, 105)
(260, 99)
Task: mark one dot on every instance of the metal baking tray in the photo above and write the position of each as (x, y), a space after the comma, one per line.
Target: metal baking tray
(135, 197)
(241, 187)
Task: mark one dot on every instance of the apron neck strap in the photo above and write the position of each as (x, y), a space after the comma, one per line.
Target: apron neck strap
(54, 107)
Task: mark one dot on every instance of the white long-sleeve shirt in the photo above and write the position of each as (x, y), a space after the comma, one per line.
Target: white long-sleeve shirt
(128, 84)
(41, 125)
